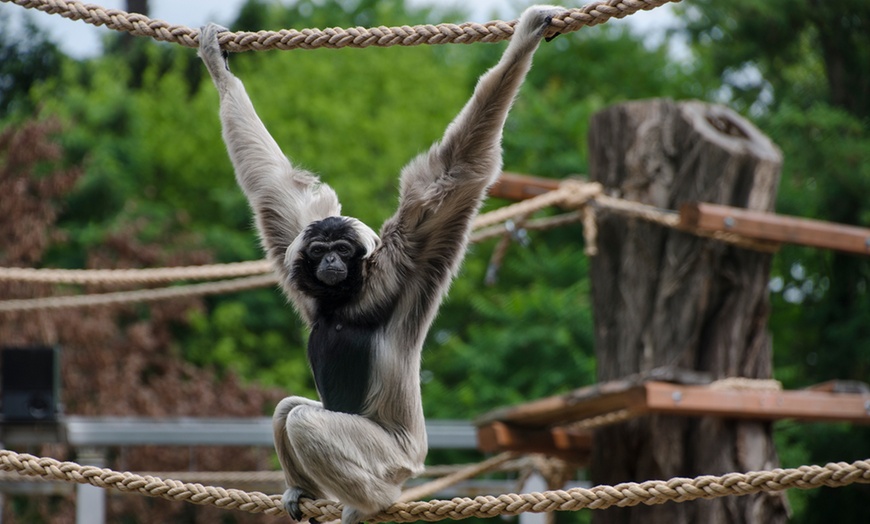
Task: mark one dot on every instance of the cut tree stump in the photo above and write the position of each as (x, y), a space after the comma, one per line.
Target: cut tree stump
(667, 298)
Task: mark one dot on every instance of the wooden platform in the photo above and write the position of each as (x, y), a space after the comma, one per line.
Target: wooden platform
(554, 425)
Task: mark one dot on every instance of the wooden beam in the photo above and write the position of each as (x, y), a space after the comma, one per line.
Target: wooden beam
(806, 405)
(841, 386)
(534, 427)
(574, 445)
(851, 405)
(775, 228)
(513, 186)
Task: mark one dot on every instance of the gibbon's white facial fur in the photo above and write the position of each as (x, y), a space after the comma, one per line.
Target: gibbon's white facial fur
(367, 237)
(369, 300)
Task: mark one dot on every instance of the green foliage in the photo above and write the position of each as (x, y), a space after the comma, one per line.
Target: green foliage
(144, 120)
(525, 338)
(26, 58)
(576, 75)
(804, 50)
(227, 339)
(803, 68)
(145, 124)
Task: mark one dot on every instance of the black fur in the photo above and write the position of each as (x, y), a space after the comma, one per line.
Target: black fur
(340, 355)
(340, 347)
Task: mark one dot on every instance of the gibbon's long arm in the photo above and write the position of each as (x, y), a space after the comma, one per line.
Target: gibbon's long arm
(284, 199)
(442, 190)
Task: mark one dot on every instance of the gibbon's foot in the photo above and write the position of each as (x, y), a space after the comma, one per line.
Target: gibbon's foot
(290, 500)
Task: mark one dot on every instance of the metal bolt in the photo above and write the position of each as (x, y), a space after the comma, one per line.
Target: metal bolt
(730, 222)
(867, 407)
(867, 243)
(677, 396)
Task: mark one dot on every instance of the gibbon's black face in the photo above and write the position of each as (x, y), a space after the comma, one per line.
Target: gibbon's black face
(330, 265)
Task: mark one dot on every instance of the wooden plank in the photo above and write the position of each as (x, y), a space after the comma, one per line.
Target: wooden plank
(574, 445)
(775, 228)
(513, 186)
(807, 405)
(579, 404)
(841, 386)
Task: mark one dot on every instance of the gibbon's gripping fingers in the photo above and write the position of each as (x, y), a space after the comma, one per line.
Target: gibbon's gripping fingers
(212, 55)
(531, 26)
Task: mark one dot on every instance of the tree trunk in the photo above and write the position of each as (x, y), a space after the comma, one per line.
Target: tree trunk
(663, 298)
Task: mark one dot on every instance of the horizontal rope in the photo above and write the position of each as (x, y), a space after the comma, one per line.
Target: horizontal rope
(600, 497)
(135, 276)
(140, 25)
(571, 194)
(141, 295)
(277, 476)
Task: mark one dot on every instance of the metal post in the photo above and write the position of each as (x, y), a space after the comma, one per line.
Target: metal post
(535, 483)
(91, 500)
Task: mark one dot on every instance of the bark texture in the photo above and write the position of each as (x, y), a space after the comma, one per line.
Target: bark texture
(663, 298)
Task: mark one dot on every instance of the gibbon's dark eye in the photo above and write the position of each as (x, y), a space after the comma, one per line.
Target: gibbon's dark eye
(345, 250)
(316, 250)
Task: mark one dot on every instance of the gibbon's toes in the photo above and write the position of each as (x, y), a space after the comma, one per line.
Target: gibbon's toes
(290, 500)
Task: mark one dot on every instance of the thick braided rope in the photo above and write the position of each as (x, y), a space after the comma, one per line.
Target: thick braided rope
(142, 295)
(495, 31)
(135, 276)
(599, 497)
(571, 194)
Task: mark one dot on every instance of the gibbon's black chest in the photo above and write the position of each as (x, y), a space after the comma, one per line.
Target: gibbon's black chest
(340, 354)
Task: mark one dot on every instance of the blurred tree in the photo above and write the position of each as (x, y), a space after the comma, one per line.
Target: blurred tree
(158, 187)
(530, 335)
(121, 360)
(147, 131)
(802, 69)
(27, 57)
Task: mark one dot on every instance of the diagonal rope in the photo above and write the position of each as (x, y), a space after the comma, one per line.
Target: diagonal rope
(474, 470)
(600, 497)
(495, 31)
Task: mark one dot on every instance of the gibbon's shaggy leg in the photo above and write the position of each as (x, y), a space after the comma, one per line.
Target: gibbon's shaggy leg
(362, 455)
(349, 457)
(293, 473)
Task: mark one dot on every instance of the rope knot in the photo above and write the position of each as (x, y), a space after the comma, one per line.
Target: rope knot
(577, 194)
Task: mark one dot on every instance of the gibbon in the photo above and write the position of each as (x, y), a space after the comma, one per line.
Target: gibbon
(367, 298)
